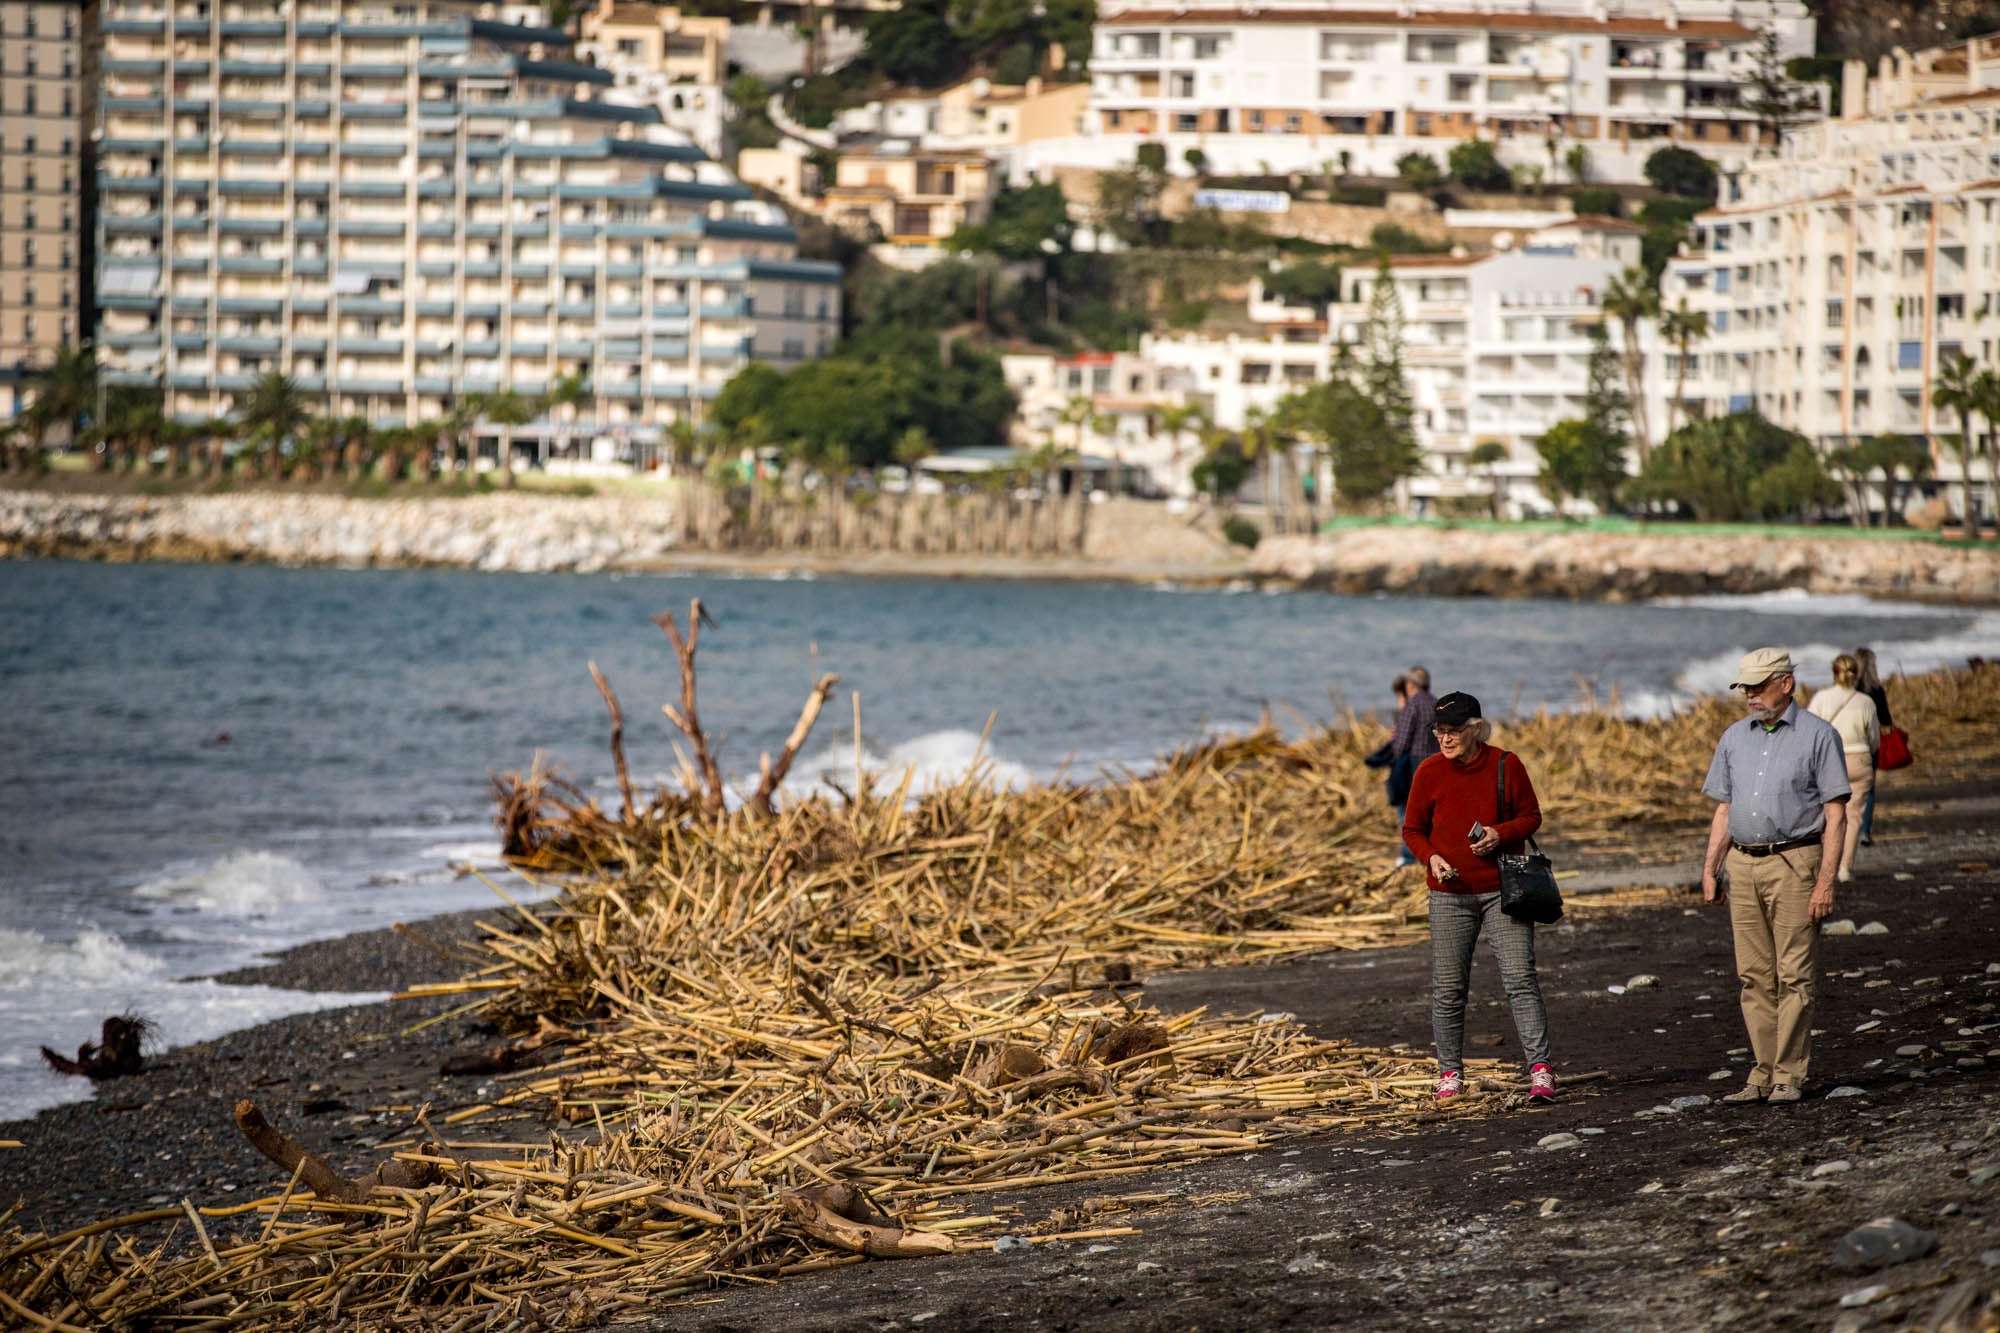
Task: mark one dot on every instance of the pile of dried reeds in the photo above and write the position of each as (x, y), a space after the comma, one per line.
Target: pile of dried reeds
(812, 1033)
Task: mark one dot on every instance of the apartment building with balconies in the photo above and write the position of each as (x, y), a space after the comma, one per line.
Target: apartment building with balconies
(1497, 349)
(48, 90)
(1849, 267)
(400, 204)
(1307, 85)
(909, 198)
(677, 61)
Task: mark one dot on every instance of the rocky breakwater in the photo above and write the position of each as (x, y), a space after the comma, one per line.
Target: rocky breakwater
(1625, 566)
(529, 533)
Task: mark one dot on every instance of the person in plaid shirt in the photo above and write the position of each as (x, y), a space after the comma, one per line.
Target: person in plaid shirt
(1411, 743)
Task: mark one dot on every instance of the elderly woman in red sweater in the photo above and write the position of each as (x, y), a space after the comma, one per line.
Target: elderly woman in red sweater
(1456, 825)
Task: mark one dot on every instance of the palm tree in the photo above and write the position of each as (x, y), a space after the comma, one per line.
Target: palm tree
(562, 399)
(456, 429)
(1894, 455)
(1956, 390)
(1489, 454)
(1631, 298)
(271, 415)
(134, 419)
(1177, 422)
(507, 410)
(684, 441)
(1577, 159)
(32, 425)
(1986, 401)
(1265, 443)
(1683, 328)
(64, 393)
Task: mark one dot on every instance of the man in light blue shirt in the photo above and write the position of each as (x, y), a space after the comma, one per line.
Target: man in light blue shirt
(1780, 780)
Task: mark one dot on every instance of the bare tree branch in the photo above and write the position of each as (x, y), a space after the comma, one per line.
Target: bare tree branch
(686, 717)
(774, 773)
(617, 740)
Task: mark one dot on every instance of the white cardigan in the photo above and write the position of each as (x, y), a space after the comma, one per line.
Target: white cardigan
(1852, 714)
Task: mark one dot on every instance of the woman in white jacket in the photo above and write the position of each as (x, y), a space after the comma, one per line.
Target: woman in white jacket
(1851, 713)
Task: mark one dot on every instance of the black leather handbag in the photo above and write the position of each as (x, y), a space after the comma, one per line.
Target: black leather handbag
(1528, 889)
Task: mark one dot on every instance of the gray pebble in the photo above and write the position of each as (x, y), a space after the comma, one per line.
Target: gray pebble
(1840, 927)
(1004, 1244)
(1554, 1141)
(1873, 928)
(1881, 1243)
(1912, 1051)
(1833, 1168)
(1689, 1102)
(1643, 981)
(1847, 1090)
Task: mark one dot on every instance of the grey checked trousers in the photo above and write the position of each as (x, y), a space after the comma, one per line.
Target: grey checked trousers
(1456, 922)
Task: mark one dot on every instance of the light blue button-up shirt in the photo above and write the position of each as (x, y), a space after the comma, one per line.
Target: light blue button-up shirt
(1777, 782)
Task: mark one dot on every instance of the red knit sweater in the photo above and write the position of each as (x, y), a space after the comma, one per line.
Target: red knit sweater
(1446, 798)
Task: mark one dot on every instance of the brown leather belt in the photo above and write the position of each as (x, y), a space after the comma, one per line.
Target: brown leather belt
(1773, 848)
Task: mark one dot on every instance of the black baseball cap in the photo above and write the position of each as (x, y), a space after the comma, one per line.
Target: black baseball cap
(1456, 709)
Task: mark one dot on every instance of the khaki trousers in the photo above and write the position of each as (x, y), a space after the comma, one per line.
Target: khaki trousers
(1861, 777)
(1777, 959)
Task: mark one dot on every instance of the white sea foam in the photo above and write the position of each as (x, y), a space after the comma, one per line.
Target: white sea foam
(933, 759)
(481, 854)
(241, 884)
(1980, 637)
(96, 958)
(1800, 602)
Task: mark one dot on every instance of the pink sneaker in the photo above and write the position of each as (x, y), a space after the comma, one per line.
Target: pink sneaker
(1541, 1084)
(1450, 1085)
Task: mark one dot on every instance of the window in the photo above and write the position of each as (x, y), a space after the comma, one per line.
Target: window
(1186, 122)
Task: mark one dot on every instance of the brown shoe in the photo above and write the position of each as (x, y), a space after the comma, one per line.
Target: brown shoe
(1785, 1092)
(1749, 1092)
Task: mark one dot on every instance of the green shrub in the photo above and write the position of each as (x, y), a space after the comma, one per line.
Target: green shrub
(1241, 531)
(1596, 201)
(1397, 239)
(1304, 284)
(1683, 172)
(1361, 196)
(1475, 165)
(1419, 171)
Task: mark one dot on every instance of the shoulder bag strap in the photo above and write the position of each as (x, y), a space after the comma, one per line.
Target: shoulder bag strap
(1500, 788)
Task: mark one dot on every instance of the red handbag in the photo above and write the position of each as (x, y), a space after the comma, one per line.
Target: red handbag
(1894, 752)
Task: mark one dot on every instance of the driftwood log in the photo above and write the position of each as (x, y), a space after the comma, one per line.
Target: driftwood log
(504, 1057)
(318, 1175)
(841, 1216)
(116, 1054)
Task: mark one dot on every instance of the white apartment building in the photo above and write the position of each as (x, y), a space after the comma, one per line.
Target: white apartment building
(1301, 85)
(1496, 348)
(1855, 262)
(399, 204)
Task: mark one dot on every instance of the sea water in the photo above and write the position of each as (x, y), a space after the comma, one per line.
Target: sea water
(205, 764)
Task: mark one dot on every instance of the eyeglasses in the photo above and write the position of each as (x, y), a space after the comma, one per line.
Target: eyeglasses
(1450, 733)
(1752, 691)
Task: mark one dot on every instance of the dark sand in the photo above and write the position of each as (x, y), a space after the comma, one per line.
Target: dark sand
(1707, 1217)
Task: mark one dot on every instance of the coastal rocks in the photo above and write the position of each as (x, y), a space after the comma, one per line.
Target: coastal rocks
(524, 533)
(1624, 566)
